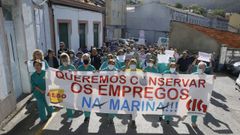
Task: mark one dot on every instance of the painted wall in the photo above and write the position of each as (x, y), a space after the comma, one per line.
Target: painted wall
(42, 26)
(183, 38)
(234, 20)
(7, 98)
(75, 15)
(152, 18)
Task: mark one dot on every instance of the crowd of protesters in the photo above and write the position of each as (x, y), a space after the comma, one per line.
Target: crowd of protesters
(128, 58)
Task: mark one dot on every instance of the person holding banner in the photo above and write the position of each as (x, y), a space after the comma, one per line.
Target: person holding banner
(65, 60)
(111, 67)
(133, 68)
(86, 67)
(200, 71)
(105, 63)
(172, 70)
(208, 70)
(39, 87)
(151, 67)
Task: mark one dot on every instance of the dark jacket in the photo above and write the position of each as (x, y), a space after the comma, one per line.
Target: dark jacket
(55, 63)
(96, 61)
(60, 51)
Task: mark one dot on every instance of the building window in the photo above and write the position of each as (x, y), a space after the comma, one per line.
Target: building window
(63, 31)
(96, 34)
(82, 35)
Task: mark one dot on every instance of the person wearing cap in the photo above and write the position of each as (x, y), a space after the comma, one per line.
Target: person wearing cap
(38, 85)
(51, 59)
(62, 49)
(66, 65)
(111, 66)
(86, 67)
(95, 58)
(78, 61)
(105, 63)
(151, 67)
(133, 68)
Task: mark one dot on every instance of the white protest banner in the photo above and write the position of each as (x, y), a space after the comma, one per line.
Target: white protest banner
(129, 92)
(163, 58)
(204, 56)
(170, 53)
(31, 69)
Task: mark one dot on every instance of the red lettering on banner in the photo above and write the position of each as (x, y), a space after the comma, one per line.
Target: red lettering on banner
(86, 79)
(104, 79)
(177, 81)
(77, 78)
(184, 94)
(114, 91)
(94, 79)
(185, 83)
(152, 81)
(160, 81)
(122, 79)
(60, 75)
(193, 83)
(148, 90)
(88, 89)
(137, 91)
(101, 89)
(69, 76)
(169, 81)
(169, 93)
(202, 82)
(125, 89)
(136, 80)
(73, 87)
(114, 79)
(158, 91)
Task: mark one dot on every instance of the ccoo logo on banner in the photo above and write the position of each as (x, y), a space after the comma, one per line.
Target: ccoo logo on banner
(129, 92)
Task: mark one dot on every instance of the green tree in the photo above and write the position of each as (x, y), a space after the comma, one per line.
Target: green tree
(219, 12)
(179, 5)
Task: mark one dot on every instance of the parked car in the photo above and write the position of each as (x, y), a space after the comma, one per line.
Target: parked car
(123, 41)
(140, 41)
(233, 66)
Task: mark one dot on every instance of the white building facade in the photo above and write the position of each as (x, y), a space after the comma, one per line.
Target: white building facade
(80, 24)
(26, 25)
